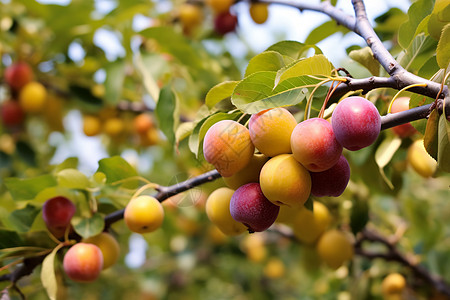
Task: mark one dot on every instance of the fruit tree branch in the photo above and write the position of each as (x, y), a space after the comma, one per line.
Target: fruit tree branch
(392, 254)
(165, 192)
(399, 77)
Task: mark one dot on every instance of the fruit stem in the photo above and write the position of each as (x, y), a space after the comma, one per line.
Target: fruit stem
(403, 89)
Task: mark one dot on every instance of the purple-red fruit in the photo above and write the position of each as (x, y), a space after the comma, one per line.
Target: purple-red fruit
(57, 213)
(314, 145)
(225, 23)
(331, 182)
(249, 206)
(356, 123)
(18, 75)
(11, 113)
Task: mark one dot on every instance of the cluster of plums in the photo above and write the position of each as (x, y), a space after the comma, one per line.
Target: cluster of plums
(292, 162)
(225, 21)
(85, 260)
(27, 95)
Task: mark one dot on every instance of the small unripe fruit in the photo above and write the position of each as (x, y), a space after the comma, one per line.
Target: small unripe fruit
(12, 113)
(404, 130)
(92, 125)
(218, 211)
(314, 145)
(392, 284)
(271, 130)
(227, 146)
(309, 225)
(220, 6)
(249, 206)
(331, 182)
(108, 245)
(113, 127)
(18, 75)
(259, 12)
(190, 15)
(247, 175)
(32, 97)
(356, 123)
(225, 23)
(83, 262)
(284, 181)
(274, 268)
(419, 159)
(57, 213)
(144, 214)
(334, 248)
(142, 123)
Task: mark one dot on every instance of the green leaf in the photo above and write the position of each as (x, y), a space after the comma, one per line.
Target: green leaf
(10, 239)
(416, 13)
(26, 153)
(359, 215)
(292, 49)
(87, 227)
(69, 163)
(323, 31)
(443, 48)
(430, 139)
(174, 43)
(415, 101)
(27, 189)
(22, 219)
(149, 81)
(85, 95)
(252, 88)
(48, 277)
(72, 179)
(256, 93)
(220, 92)
(116, 168)
(429, 68)
(444, 144)
(419, 51)
(167, 113)
(365, 57)
(265, 61)
(315, 65)
(115, 76)
(183, 131)
(309, 204)
(440, 16)
(384, 154)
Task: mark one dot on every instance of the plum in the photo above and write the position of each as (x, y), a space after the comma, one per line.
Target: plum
(249, 206)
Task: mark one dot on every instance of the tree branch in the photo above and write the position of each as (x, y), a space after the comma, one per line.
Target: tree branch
(392, 254)
(400, 78)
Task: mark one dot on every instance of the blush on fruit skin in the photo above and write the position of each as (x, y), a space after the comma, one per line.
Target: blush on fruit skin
(57, 212)
(18, 75)
(404, 130)
(314, 145)
(83, 262)
(331, 182)
(249, 206)
(227, 146)
(356, 123)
